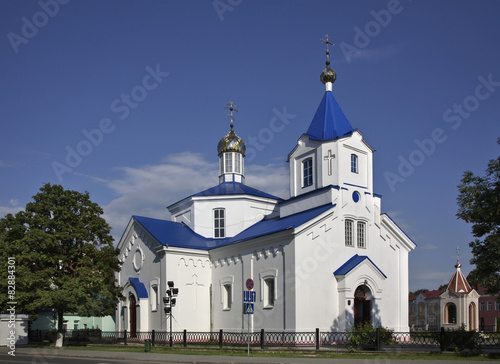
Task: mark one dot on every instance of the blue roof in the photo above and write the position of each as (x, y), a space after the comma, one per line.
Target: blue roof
(173, 233)
(234, 188)
(353, 263)
(329, 122)
(140, 288)
(179, 235)
(274, 225)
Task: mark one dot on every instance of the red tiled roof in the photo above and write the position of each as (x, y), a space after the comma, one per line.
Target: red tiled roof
(458, 282)
(433, 294)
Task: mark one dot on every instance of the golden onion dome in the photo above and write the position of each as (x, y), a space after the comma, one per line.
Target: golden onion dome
(231, 143)
(328, 75)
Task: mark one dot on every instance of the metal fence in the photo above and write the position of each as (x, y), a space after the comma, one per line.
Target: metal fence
(376, 339)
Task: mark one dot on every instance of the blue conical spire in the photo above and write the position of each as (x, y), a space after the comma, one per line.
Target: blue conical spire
(329, 122)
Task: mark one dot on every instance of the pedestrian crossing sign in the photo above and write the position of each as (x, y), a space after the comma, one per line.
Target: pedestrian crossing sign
(249, 309)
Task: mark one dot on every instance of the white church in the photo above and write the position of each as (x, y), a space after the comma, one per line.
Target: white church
(325, 258)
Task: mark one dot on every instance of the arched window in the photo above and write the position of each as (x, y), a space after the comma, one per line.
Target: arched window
(307, 172)
(450, 313)
(154, 297)
(269, 292)
(226, 290)
(361, 234)
(354, 163)
(228, 297)
(349, 233)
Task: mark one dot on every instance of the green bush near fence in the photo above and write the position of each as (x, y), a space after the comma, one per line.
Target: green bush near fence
(365, 337)
(462, 340)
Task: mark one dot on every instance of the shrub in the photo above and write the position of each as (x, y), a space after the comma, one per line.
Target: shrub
(461, 339)
(364, 336)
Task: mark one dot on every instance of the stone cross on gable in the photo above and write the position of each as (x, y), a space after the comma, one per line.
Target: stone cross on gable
(329, 158)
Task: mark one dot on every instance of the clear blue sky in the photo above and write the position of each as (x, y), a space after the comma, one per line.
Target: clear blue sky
(154, 77)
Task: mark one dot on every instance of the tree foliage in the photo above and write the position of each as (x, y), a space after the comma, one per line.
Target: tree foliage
(479, 204)
(417, 292)
(64, 255)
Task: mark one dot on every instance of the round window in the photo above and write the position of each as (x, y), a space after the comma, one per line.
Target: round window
(138, 259)
(356, 196)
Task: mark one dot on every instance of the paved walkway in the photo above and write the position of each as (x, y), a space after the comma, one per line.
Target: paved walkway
(211, 359)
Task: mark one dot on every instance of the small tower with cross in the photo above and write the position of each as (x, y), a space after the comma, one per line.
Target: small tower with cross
(231, 150)
(331, 152)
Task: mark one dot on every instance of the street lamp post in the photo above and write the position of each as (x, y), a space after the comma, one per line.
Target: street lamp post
(169, 302)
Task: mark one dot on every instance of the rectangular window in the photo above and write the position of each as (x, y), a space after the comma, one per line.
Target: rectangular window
(228, 297)
(481, 306)
(219, 223)
(361, 235)
(307, 172)
(490, 305)
(349, 241)
(75, 324)
(237, 164)
(354, 163)
(497, 305)
(228, 158)
(269, 292)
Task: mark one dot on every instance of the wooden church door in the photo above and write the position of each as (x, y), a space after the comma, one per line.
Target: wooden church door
(133, 316)
(362, 307)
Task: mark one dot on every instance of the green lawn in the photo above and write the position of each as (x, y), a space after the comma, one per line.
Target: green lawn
(291, 353)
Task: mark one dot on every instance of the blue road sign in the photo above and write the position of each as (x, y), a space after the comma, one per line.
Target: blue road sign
(249, 308)
(249, 296)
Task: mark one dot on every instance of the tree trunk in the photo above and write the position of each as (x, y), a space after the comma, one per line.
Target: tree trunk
(60, 325)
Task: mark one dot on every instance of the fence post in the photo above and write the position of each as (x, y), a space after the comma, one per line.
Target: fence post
(100, 336)
(262, 335)
(184, 338)
(153, 338)
(377, 338)
(124, 337)
(441, 339)
(317, 339)
(220, 339)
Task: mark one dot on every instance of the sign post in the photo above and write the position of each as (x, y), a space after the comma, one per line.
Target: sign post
(249, 298)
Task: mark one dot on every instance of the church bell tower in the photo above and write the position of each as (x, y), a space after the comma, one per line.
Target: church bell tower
(331, 152)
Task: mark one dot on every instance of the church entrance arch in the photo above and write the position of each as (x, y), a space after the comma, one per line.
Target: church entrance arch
(362, 305)
(132, 316)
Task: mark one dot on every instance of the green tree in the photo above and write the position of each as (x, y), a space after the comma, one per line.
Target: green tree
(417, 292)
(64, 256)
(479, 204)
